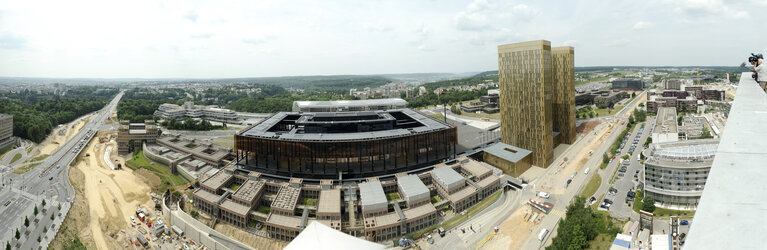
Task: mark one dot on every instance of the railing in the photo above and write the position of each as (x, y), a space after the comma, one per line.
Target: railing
(731, 211)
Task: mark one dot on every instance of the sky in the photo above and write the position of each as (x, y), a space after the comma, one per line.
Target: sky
(221, 39)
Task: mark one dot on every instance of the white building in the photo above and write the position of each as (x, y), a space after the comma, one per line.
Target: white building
(170, 111)
(349, 105)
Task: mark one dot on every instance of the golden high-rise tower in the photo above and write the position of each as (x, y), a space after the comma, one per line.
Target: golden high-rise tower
(563, 66)
(526, 87)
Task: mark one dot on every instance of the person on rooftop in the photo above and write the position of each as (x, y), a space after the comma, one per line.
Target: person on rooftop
(761, 72)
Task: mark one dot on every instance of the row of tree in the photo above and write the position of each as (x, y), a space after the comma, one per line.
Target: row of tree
(453, 96)
(278, 103)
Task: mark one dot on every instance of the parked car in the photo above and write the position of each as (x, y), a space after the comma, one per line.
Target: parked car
(612, 191)
(544, 195)
(592, 200)
(684, 222)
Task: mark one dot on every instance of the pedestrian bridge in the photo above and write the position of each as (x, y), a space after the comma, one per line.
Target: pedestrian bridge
(732, 209)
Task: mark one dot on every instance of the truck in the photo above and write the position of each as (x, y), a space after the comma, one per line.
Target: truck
(542, 234)
(441, 232)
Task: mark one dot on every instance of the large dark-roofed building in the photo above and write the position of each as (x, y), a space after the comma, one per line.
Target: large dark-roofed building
(356, 144)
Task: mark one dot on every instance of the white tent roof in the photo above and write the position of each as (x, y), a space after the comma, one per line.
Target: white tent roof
(320, 236)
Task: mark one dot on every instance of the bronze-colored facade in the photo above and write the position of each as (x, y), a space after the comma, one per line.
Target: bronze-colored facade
(354, 158)
(563, 64)
(526, 83)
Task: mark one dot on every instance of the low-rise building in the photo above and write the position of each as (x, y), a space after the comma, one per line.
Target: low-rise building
(625, 83)
(372, 199)
(132, 136)
(173, 111)
(511, 160)
(349, 105)
(676, 172)
(414, 192)
(665, 126)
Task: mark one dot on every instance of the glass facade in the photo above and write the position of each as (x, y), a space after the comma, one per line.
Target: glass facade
(355, 159)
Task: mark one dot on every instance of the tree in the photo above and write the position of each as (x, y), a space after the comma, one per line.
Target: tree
(591, 114)
(633, 94)
(706, 134)
(53, 216)
(35, 212)
(18, 234)
(38, 238)
(59, 206)
(679, 121)
(194, 214)
(605, 159)
(631, 119)
(43, 202)
(7, 245)
(26, 221)
(648, 204)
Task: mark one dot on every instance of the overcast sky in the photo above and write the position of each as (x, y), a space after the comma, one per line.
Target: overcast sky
(210, 39)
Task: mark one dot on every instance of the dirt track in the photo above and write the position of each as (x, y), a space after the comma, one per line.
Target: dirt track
(55, 140)
(513, 233)
(112, 195)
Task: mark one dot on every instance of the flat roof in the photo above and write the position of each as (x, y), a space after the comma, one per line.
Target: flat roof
(285, 221)
(419, 211)
(447, 177)
(692, 153)
(264, 129)
(218, 180)
(665, 121)
(201, 149)
(206, 196)
(463, 193)
(249, 190)
(235, 208)
(372, 196)
(350, 103)
(287, 197)
(488, 181)
(330, 201)
(382, 221)
(412, 188)
(474, 168)
(508, 152)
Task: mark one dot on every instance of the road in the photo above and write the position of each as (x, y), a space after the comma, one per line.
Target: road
(49, 181)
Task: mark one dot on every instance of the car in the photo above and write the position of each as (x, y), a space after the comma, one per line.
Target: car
(604, 206)
(608, 201)
(629, 199)
(51, 178)
(623, 169)
(682, 236)
(684, 222)
(612, 191)
(586, 171)
(592, 200)
(621, 174)
(544, 195)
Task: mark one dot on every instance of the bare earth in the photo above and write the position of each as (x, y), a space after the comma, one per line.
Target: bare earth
(112, 195)
(513, 233)
(55, 140)
(77, 221)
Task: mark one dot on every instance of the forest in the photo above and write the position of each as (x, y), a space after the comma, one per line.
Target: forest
(334, 83)
(473, 80)
(278, 103)
(35, 117)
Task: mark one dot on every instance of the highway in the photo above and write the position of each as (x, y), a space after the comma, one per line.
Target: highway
(49, 181)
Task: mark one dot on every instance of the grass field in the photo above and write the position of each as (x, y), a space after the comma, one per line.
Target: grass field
(438, 116)
(15, 158)
(592, 186)
(392, 196)
(140, 161)
(5, 150)
(601, 242)
(496, 116)
(39, 158)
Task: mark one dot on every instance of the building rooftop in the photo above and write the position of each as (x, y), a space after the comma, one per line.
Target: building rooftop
(419, 211)
(249, 190)
(349, 103)
(666, 121)
(235, 208)
(729, 213)
(488, 181)
(463, 193)
(447, 177)
(286, 221)
(198, 148)
(218, 180)
(412, 188)
(508, 152)
(206, 196)
(474, 168)
(330, 202)
(287, 198)
(372, 196)
(382, 221)
(344, 126)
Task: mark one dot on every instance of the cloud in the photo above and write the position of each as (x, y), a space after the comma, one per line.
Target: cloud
(255, 41)
(482, 15)
(642, 25)
(570, 42)
(12, 42)
(202, 35)
(619, 42)
(192, 16)
(708, 11)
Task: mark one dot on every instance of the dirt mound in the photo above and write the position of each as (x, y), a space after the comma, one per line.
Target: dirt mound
(76, 223)
(586, 127)
(148, 177)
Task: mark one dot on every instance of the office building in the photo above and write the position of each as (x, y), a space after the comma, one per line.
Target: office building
(563, 101)
(356, 144)
(676, 172)
(132, 136)
(511, 160)
(625, 83)
(531, 85)
(349, 105)
(6, 130)
(172, 111)
(665, 126)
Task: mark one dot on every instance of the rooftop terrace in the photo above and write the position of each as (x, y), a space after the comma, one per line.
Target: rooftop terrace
(287, 198)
